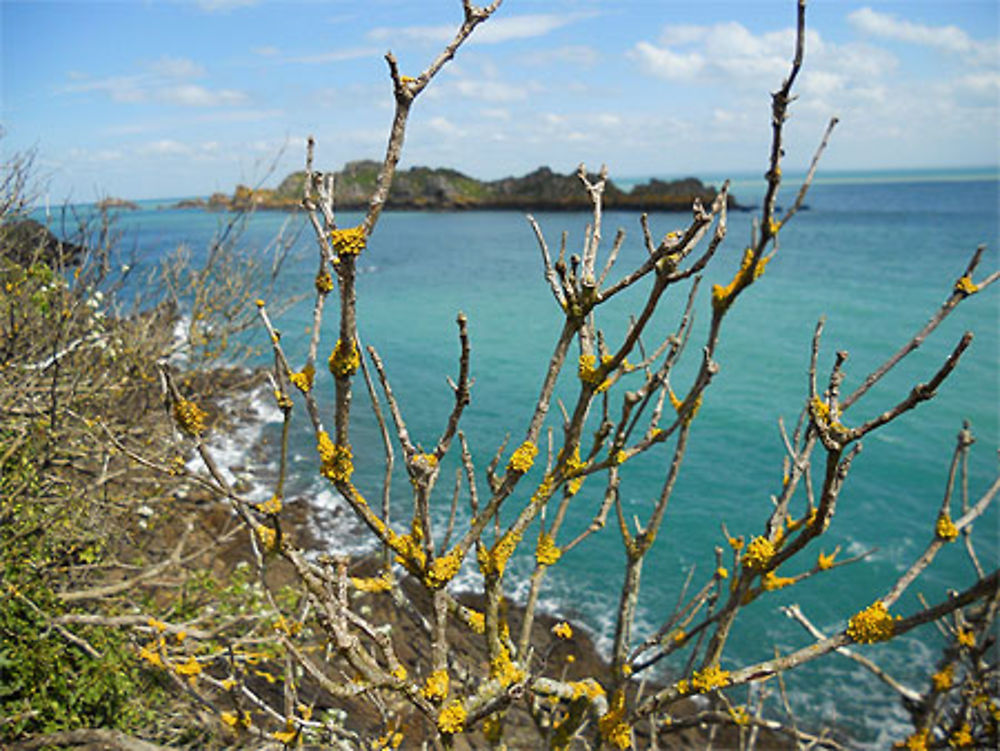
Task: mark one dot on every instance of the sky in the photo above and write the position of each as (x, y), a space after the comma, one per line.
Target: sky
(170, 98)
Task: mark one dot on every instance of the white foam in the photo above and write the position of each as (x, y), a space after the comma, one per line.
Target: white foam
(232, 450)
(336, 523)
(178, 355)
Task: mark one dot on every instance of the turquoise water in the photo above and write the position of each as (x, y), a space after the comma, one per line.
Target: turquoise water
(874, 254)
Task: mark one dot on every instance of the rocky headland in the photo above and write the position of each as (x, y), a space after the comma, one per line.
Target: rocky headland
(444, 189)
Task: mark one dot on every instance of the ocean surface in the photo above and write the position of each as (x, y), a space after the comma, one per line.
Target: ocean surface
(876, 254)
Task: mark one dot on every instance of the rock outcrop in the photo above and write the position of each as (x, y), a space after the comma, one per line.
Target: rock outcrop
(447, 189)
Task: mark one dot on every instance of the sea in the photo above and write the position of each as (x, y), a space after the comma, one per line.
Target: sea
(874, 254)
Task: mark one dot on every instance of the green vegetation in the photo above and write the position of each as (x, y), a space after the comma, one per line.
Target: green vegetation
(443, 188)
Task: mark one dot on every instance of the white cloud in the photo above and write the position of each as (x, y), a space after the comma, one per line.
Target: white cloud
(162, 82)
(192, 95)
(486, 87)
(445, 127)
(268, 50)
(947, 38)
(730, 56)
(163, 147)
(498, 30)
(665, 63)
(97, 156)
(682, 34)
(579, 55)
(423, 34)
(118, 88)
(336, 56)
(505, 28)
(496, 113)
(177, 67)
(985, 84)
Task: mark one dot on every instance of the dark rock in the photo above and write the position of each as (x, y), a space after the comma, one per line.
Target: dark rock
(116, 203)
(25, 242)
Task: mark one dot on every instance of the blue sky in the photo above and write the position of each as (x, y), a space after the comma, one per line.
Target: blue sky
(163, 98)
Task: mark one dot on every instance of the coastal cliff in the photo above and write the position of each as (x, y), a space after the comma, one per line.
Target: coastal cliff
(447, 189)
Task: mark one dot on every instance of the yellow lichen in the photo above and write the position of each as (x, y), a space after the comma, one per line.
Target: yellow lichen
(575, 464)
(228, 718)
(409, 551)
(680, 405)
(287, 627)
(350, 241)
(189, 668)
(444, 569)
(390, 740)
(945, 528)
(344, 360)
(709, 679)
(303, 380)
(587, 371)
(523, 457)
(966, 638)
(612, 726)
(807, 521)
(543, 491)
(915, 742)
(772, 581)
(740, 716)
(722, 572)
(324, 282)
(286, 736)
(494, 560)
(722, 297)
(824, 562)
(399, 673)
(502, 669)
(267, 536)
(944, 678)
(475, 620)
(546, 553)
(451, 719)
(759, 553)
(873, 624)
(271, 506)
(380, 583)
(563, 630)
(436, 686)
(961, 738)
(335, 460)
(966, 286)
(587, 687)
(190, 417)
(150, 654)
(823, 416)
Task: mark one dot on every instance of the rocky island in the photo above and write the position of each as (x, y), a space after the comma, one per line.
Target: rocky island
(108, 204)
(425, 188)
